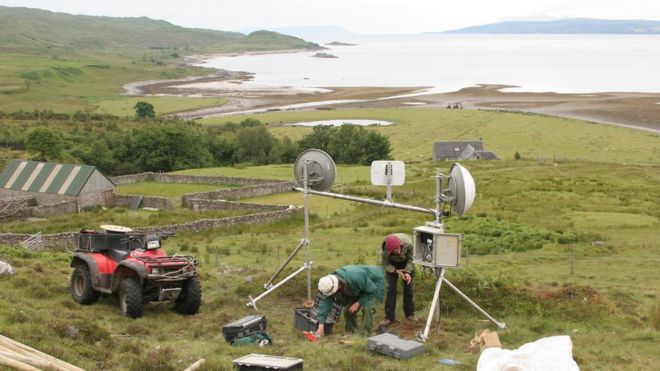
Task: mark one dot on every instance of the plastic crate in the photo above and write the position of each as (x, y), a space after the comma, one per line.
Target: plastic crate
(243, 327)
(305, 318)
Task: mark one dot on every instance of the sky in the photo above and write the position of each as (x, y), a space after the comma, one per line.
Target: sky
(360, 16)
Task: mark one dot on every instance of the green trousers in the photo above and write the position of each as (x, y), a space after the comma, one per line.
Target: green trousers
(352, 326)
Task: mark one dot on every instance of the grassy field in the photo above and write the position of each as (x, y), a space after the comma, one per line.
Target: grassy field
(67, 63)
(169, 190)
(533, 136)
(565, 247)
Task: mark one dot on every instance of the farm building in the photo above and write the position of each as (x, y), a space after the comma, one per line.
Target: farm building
(81, 186)
(462, 150)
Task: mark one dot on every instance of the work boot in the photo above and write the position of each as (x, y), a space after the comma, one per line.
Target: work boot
(412, 319)
(386, 322)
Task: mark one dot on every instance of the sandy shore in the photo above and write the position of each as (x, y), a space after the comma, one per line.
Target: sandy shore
(637, 110)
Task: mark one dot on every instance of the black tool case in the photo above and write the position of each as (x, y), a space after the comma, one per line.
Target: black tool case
(305, 318)
(245, 326)
(394, 346)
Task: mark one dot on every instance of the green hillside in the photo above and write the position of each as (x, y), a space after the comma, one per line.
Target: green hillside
(24, 29)
(66, 63)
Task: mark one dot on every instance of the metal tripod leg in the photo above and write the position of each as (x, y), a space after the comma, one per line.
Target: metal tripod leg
(501, 325)
(269, 284)
(253, 302)
(436, 296)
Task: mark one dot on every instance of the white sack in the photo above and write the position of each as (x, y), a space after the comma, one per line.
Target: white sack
(553, 353)
(6, 268)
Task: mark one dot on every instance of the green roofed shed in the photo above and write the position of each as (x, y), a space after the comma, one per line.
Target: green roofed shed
(46, 181)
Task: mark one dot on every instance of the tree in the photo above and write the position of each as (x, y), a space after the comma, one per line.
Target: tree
(46, 142)
(144, 110)
(171, 145)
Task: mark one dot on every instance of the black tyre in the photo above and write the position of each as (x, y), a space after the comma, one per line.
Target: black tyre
(131, 300)
(190, 297)
(81, 286)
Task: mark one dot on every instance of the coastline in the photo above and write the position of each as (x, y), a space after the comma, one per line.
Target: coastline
(626, 109)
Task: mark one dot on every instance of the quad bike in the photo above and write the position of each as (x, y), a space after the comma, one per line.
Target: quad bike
(118, 260)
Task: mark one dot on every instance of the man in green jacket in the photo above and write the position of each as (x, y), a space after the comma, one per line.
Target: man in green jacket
(357, 287)
(397, 262)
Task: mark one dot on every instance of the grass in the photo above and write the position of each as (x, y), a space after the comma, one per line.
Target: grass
(163, 105)
(611, 294)
(66, 63)
(168, 190)
(415, 130)
(564, 247)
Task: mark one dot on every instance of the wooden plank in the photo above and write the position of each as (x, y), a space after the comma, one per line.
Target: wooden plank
(16, 364)
(32, 361)
(31, 352)
(196, 365)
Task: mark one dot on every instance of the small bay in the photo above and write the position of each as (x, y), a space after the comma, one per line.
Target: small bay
(444, 63)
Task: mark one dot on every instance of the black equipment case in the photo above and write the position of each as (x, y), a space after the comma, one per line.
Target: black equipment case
(245, 326)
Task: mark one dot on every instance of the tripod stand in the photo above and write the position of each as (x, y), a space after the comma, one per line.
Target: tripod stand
(304, 242)
(435, 305)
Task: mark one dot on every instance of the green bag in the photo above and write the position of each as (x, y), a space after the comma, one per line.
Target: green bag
(258, 338)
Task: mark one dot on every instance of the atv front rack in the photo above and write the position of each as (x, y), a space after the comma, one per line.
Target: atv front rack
(171, 268)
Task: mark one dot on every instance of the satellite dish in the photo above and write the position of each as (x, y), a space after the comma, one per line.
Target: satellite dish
(461, 189)
(116, 228)
(321, 169)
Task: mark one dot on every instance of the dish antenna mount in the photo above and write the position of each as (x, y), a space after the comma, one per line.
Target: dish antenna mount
(315, 172)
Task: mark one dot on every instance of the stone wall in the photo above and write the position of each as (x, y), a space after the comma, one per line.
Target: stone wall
(201, 204)
(162, 203)
(50, 240)
(188, 179)
(64, 207)
(239, 193)
(131, 178)
(66, 239)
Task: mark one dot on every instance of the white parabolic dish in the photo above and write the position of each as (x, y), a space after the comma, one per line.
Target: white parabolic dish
(462, 189)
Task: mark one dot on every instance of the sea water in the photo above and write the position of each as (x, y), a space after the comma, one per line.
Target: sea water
(535, 63)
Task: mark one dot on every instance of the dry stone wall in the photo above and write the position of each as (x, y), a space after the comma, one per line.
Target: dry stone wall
(188, 179)
(162, 203)
(64, 207)
(201, 204)
(66, 239)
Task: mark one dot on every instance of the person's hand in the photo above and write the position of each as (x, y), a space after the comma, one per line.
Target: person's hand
(355, 307)
(407, 278)
(320, 331)
(400, 273)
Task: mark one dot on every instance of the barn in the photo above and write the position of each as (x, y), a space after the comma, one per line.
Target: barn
(49, 183)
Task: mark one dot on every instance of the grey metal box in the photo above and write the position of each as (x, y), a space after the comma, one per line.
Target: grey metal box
(393, 346)
(265, 362)
(433, 248)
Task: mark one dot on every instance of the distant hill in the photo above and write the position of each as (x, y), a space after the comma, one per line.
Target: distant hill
(316, 33)
(567, 26)
(25, 29)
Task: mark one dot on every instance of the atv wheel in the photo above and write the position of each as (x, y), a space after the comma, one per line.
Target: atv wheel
(190, 297)
(130, 298)
(81, 286)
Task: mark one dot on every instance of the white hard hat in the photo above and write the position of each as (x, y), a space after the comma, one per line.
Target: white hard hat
(329, 284)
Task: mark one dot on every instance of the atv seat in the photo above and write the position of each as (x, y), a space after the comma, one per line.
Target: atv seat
(117, 254)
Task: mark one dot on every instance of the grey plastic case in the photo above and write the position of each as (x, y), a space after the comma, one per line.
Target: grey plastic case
(393, 346)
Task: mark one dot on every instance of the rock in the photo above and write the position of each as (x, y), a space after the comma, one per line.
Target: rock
(324, 55)
(6, 269)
